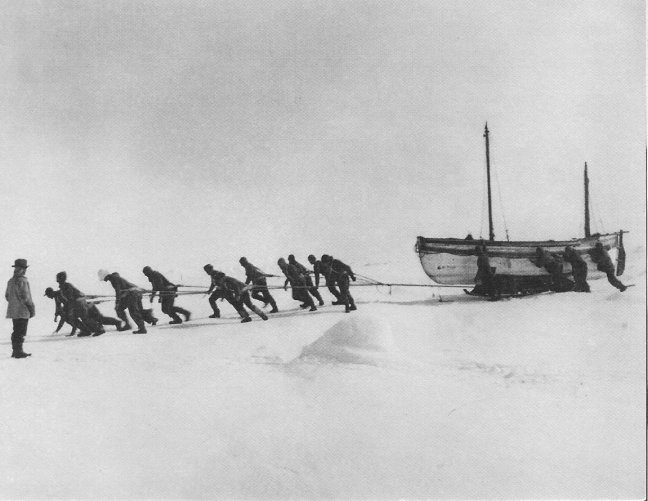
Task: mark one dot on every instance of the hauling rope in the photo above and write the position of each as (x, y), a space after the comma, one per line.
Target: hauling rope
(82, 313)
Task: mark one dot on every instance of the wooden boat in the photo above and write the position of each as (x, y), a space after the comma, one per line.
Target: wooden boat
(453, 261)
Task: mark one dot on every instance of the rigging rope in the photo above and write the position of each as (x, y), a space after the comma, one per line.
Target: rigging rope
(499, 193)
(363, 282)
(483, 205)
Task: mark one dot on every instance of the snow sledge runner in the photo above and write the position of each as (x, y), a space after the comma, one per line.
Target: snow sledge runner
(498, 297)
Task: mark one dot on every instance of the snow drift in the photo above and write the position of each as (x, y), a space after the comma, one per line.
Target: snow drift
(359, 339)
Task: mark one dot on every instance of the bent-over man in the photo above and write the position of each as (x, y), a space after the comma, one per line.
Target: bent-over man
(167, 293)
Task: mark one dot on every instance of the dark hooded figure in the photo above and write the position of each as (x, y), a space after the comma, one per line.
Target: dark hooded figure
(579, 269)
(324, 270)
(604, 263)
(77, 308)
(309, 281)
(129, 296)
(167, 293)
(60, 314)
(259, 283)
(236, 293)
(95, 314)
(485, 278)
(340, 274)
(297, 282)
(553, 264)
(215, 292)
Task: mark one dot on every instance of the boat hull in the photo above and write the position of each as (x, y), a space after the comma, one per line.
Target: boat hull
(453, 261)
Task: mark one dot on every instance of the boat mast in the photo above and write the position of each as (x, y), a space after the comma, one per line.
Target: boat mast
(491, 233)
(587, 214)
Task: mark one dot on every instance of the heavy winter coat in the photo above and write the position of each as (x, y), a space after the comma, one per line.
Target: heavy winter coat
(18, 294)
(159, 282)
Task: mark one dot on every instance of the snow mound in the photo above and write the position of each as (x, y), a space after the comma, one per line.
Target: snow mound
(358, 339)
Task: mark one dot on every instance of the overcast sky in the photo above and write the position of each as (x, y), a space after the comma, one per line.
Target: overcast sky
(175, 133)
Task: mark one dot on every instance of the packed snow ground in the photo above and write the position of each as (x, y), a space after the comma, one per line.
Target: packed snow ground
(421, 393)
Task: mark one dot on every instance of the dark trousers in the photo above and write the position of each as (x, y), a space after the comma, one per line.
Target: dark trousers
(486, 283)
(579, 272)
(313, 290)
(18, 334)
(608, 269)
(342, 282)
(333, 290)
(300, 293)
(87, 322)
(132, 301)
(167, 300)
(614, 281)
(96, 315)
(260, 292)
(216, 295)
(239, 303)
(62, 321)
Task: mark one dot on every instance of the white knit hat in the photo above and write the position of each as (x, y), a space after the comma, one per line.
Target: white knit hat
(102, 274)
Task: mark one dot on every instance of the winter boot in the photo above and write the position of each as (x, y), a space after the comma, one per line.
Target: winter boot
(124, 327)
(245, 320)
(187, 314)
(141, 330)
(147, 315)
(315, 293)
(18, 350)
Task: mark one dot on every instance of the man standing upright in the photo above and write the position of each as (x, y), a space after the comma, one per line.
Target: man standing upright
(168, 292)
(20, 308)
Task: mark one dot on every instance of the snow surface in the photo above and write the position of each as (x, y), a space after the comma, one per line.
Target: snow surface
(421, 393)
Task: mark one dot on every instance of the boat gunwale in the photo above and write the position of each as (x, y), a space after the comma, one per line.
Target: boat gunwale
(501, 243)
